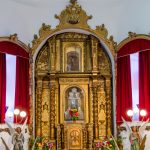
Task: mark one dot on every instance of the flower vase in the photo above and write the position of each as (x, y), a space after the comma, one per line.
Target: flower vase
(74, 121)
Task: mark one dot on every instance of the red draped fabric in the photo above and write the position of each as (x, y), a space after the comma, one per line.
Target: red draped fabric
(134, 46)
(124, 92)
(13, 49)
(22, 85)
(124, 98)
(2, 87)
(144, 81)
(22, 76)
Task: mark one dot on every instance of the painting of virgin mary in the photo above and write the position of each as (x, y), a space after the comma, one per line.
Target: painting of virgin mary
(73, 61)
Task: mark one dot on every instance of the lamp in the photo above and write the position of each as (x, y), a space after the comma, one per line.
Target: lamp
(16, 113)
(143, 113)
(21, 113)
(130, 113)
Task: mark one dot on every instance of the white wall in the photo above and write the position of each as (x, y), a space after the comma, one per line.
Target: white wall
(25, 17)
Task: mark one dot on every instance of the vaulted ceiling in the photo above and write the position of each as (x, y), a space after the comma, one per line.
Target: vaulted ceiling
(25, 17)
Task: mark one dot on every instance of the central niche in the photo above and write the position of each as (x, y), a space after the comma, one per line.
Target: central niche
(73, 58)
(74, 100)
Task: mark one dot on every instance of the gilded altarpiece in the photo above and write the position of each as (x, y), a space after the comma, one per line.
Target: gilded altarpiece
(73, 70)
(87, 88)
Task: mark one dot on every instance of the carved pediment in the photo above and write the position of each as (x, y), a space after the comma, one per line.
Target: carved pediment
(73, 15)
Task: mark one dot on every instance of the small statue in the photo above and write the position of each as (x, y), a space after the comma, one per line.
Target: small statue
(17, 136)
(135, 134)
(132, 34)
(18, 139)
(13, 37)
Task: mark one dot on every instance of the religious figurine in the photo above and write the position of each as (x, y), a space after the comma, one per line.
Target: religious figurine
(26, 139)
(73, 60)
(74, 102)
(135, 139)
(135, 134)
(18, 139)
(17, 136)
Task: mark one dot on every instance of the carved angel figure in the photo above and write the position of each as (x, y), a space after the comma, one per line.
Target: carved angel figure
(17, 136)
(135, 134)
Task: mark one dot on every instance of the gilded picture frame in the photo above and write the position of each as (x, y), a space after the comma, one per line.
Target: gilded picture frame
(73, 56)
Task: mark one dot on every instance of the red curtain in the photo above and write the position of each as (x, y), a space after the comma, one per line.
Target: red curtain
(22, 85)
(124, 92)
(13, 49)
(2, 87)
(144, 81)
(134, 46)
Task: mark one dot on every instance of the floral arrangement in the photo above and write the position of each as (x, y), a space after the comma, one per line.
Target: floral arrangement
(74, 114)
(106, 143)
(42, 143)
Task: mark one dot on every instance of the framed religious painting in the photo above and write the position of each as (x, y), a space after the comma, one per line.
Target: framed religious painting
(73, 56)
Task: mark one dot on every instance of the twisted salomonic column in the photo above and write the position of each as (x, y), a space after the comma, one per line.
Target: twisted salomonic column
(45, 108)
(59, 137)
(108, 104)
(84, 135)
(52, 109)
(95, 110)
(38, 105)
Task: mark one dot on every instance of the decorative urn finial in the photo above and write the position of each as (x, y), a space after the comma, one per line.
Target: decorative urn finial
(73, 1)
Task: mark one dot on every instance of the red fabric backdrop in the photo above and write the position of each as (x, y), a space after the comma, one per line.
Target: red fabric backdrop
(22, 75)
(22, 85)
(2, 87)
(134, 46)
(137, 45)
(13, 49)
(124, 92)
(144, 81)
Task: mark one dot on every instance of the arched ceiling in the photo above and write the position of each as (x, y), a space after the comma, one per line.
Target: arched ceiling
(25, 17)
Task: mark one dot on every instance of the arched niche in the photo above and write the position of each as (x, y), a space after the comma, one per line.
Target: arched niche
(74, 100)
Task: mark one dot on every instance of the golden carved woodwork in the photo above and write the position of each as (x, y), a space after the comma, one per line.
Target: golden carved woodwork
(53, 81)
(73, 17)
(69, 61)
(42, 60)
(45, 108)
